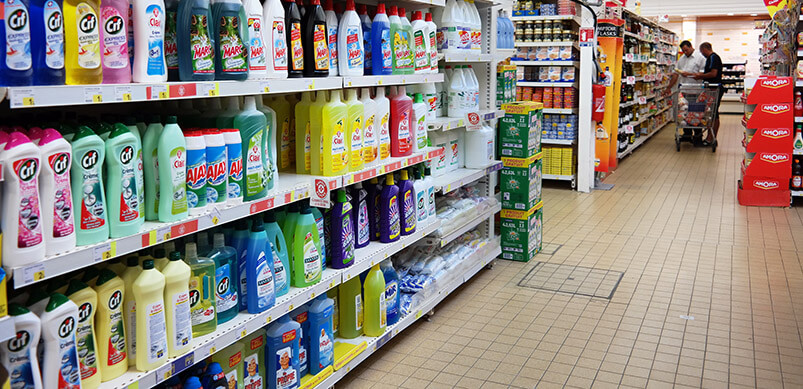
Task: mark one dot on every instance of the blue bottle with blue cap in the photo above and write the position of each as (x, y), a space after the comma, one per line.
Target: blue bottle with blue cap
(320, 338)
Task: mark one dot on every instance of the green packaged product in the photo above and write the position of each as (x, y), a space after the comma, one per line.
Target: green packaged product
(521, 233)
(520, 182)
(520, 129)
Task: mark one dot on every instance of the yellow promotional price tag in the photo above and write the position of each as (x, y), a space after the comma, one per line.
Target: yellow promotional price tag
(243, 333)
(268, 320)
(28, 101)
(38, 276)
(215, 220)
(97, 98)
(212, 350)
(311, 85)
(164, 95)
(135, 385)
(332, 283)
(312, 295)
(126, 96)
(380, 81)
(290, 308)
(151, 237)
(418, 314)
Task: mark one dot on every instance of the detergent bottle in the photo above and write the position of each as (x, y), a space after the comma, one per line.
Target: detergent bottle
(432, 101)
(306, 251)
(216, 162)
(408, 214)
(476, 25)
(342, 254)
(336, 150)
(149, 57)
(132, 271)
(259, 270)
(86, 175)
(316, 46)
(109, 327)
(226, 117)
(82, 42)
(302, 132)
(196, 172)
(316, 137)
(284, 133)
(430, 184)
(295, 48)
(54, 188)
(370, 146)
(419, 119)
(254, 360)
(301, 316)
(402, 132)
(359, 216)
(270, 145)
(225, 275)
(408, 34)
(365, 24)
(60, 367)
(381, 56)
(194, 29)
(350, 308)
(350, 48)
(86, 299)
(398, 44)
(289, 228)
(392, 294)
(421, 198)
(389, 224)
(114, 42)
(331, 36)
(432, 37)
(373, 190)
(121, 182)
(23, 237)
(253, 126)
(47, 26)
(274, 38)
(148, 290)
(449, 37)
(282, 353)
(234, 165)
(231, 360)
(172, 160)
(238, 240)
(202, 292)
(480, 147)
(160, 258)
(171, 39)
(257, 59)
(355, 120)
(332, 294)
(375, 308)
(150, 143)
(231, 54)
(177, 305)
(320, 334)
(383, 125)
(19, 354)
(421, 51)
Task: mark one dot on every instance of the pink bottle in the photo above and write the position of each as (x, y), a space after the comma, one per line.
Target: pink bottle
(114, 41)
(401, 124)
(34, 134)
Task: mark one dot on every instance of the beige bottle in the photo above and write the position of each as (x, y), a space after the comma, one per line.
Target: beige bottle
(132, 271)
(87, 300)
(160, 259)
(109, 327)
(148, 290)
(177, 305)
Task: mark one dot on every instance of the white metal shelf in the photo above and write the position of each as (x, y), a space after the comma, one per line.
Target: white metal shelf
(574, 18)
(547, 84)
(558, 177)
(455, 233)
(564, 142)
(545, 63)
(548, 44)
(366, 81)
(468, 56)
(560, 111)
(450, 123)
(463, 176)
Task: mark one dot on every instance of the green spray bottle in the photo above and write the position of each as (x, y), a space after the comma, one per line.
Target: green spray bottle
(150, 143)
(122, 177)
(306, 251)
(172, 157)
(89, 196)
(253, 127)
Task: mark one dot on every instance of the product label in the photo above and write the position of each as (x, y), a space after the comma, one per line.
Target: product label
(409, 211)
(326, 344)
(464, 36)
(296, 49)
(421, 53)
(356, 142)
(115, 349)
(85, 339)
(54, 35)
(225, 294)
(340, 156)
(401, 49)
(29, 232)
(391, 291)
(69, 371)
(88, 36)
(421, 204)
(252, 378)
(312, 259)
(254, 169)
(256, 47)
(321, 47)
(196, 178)
(155, 164)
(201, 311)
(231, 376)
(431, 201)
(264, 279)
(234, 154)
(363, 230)
(331, 34)
(171, 40)
(366, 46)
(131, 328)
(358, 310)
(393, 218)
(405, 135)
(18, 35)
(307, 147)
(384, 137)
(453, 146)
(421, 132)
(216, 174)
(129, 199)
(182, 327)
(156, 333)
(286, 146)
(433, 51)
(18, 352)
(286, 375)
(279, 273)
(279, 46)
(476, 38)
(387, 56)
(63, 224)
(324, 227)
(353, 48)
(178, 163)
(156, 62)
(200, 45)
(448, 38)
(232, 52)
(115, 45)
(346, 235)
(369, 149)
(383, 311)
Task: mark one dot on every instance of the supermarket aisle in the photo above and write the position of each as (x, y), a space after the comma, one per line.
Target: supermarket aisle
(706, 299)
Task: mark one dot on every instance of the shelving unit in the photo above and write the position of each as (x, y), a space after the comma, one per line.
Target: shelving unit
(733, 75)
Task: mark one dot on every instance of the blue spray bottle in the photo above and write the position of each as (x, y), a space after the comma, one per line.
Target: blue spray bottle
(281, 264)
(321, 340)
(259, 270)
(239, 242)
(47, 26)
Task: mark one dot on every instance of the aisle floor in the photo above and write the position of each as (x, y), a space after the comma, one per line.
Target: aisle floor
(707, 298)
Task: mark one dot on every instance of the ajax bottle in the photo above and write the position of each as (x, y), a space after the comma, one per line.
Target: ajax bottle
(149, 57)
(408, 215)
(196, 60)
(86, 174)
(350, 308)
(82, 42)
(177, 307)
(281, 264)
(86, 299)
(253, 126)
(302, 134)
(370, 139)
(375, 310)
(295, 48)
(54, 186)
(225, 273)
(383, 124)
(234, 165)
(257, 59)
(16, 61)
(355, 120)
(331, 36)
(172, 160)
(196, 172)
(114, 42)
(420, 119)
(282, 353)
(306, 251)
(148, 291)
(259, 270)
(342, 254)
(359, 216)
(320, 334)
(60, 360)
(150, 143)
(202, 292)
(274, 38)
(392, 293)
(421, 51)
(109, 327)
(47, 26)
(121, 182)
(381, 56)
(351, 55)
(336, 150)
(130, 275)
(171, 39)
(402, 132)
(216, 162)
(231, 54)
(23, 238)
(316, 46)
(19, 354)
(389, 224)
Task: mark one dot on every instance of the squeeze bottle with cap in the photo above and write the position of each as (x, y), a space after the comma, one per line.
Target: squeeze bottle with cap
(351, 54)
(231, 53)
(177, 305)
(342, 254)
(54, 188)
(254, 360)
(130, 275)
(171, 39)
(306, 251)
(319, 222)
(281, 264)
(365, 24)
(121, 179)
(295, 47)
(432, 37)
(301, 316)
(408, 215)
(19, 354)
(282, 353)
(409, 62)
(234, 165)
(370, 139)
(23, 235)
(89, 199)
(316, 47)
(321, 338)
(216, 162)
(148, 290)
(225, 275)
(289, 227)
(392, 294)
(302, 134)
(402, 132)
(398, 44)
(202, 292)
(194, 28)
(421, 53)
(316, 136)
(259, 270)
(383, 125)
(114, 42)
(150, 160)
(253, 126)
(355, 122)
(350, 309)
(375, 309)
(274, 38)
(86, 299)
(16, 61)
(82, 59)
(60, 367)
(389, 224)
(421, 197)
(381, 56)
(359, 216)
(238, 240)
(420, 109)
(336, 149)
(133, 127)
(109, 327)
(196, 172)
(47, 26)
(149, 57)
(331, 36)
(172, 159)
(257, 59)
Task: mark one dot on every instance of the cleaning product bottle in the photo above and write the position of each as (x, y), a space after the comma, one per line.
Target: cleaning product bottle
(171, 39)
(282, 353)
(421, 51)
(316, 47)
(342, 254)
(254, 360)
(257, 60)
(231, 360)
(458, 94)
(48, 57)
(373, 190)
(253, 126)
(480, 147)
(332, 295)
(383, 125)
(121, 182)
(430, 94)
(360, 217)
(238, 240)
(202, 292)
(177, 308)
(172, 160)
(109, 327)
(234, 165)
(231, 54)
(130, 275)
(259, 270)
(407, 28)
(289, 228)
(149, 58)
(284, 133)
(350, 307)
(375, 308)
(216, 162)
(148, 290)
(86, 175)
(319, 222)
(301, 316)
(316, 137)
(407, 199)
(275, 39)
(16, 62)
(421, 198)
(402, 132)
(160, 258)
(320, 334)
(331, 36)
(420, 121)
(355, 120)
(381, 57)
(281, 264)
(196, 172)
(150, 143)
(82, 42)
(476, 26)
(194, 27)
(19, 354)
(60, 367)
(213, 376)
(295, 48)
(370, 140)
(351, 53)
(336, 150)
(225, 273)
(389, 224)
(306, 251)
(392, 294)
(86, 299)
(448, 27)
(302, 131)
(114, 42)
(270, 145)
(139, 176)
(430, 184)
(23, 238)
(54, 188)
(365, 24)
(431, 35)
(398, 44)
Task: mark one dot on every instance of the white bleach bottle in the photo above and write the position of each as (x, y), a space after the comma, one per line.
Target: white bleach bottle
(331, 36)
(275, 39)
(257, 55)
(18, 354)
(350, 50)
(149, 56)
(54, 188)
(60, 360)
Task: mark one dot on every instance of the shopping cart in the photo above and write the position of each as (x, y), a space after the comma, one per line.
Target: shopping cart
(696, 108)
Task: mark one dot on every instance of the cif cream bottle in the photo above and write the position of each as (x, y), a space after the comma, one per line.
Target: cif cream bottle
(172, 159)
(82, 60)
(54, 186)
(86, 178)
(86, 299)
(177, 305)
(60, 360)
(109, 326)
(19, 354)
(148, 291)
(132, 271)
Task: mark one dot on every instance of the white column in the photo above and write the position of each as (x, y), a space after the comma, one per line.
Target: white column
(585, 130)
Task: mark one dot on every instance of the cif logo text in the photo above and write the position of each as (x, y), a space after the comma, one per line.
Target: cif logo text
(67, 326)
(775, 83)
(776, 108)
(775, 133)
(18, 19)
(775, 157)
(765, 184)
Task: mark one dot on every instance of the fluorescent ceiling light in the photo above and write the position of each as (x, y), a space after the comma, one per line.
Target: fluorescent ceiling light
(753, 14)
(730, 14)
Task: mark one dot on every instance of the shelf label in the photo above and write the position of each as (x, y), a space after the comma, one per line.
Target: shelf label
(384, 339)
(21, 97)
(93, 94)
(183, 362)
(629, 57)
(630, 80)
(241, 332)
(184, 229)
(260, 206)
(33, 273)
(415, 159)
(122, 93)
(211, 89)
(215, 216)
(264, 86)
(104, 251)
(164, 373)
(393, 166)
(642, 100)
(362, 176)
(205, 351)
(158, 92)
(628, 129)
(320, 196)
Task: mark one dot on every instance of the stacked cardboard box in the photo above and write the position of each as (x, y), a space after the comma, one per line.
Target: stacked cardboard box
(559, 160)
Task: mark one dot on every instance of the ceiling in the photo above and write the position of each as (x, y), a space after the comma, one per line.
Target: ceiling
(699, 8)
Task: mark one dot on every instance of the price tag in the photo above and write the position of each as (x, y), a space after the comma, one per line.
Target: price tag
(642, 100)
(241, 332)
(629, 57)
(268, 319)
(33, 273)
(183, 362)
(264, 86)
(159, 92)
(164, 373)
(122, 93)
(630, 80)
(210, 89)
(311, 85)
(215, 216)
(21, 97)
(163, 234)
(93, 94)
(473, 122)
(205, 351)
(104, 251)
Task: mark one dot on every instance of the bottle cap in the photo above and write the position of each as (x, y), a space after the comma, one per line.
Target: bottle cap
(389, 179)
(419, 98)
(256, 225)
(154, 119)
(159, 253)
(328, 6)
(129, 121)
(362, 9)
(105, 276)
(75, 286)
(416, 15)
(350, 5)
(56, 300)
(219, 240)
(132, 261)
(380, 9)
(428, 17)
(306, 211)
(393, 10)
(148, 264)
(401, 13)
(15, 309)
(175, 256)
(341, 196)
(404, 175)
(270, 217)
(173, 119)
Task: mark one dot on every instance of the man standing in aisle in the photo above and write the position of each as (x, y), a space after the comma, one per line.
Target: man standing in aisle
(689, 64)
(712, 74)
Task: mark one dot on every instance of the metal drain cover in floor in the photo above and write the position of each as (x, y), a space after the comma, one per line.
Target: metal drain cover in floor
(579, 280)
